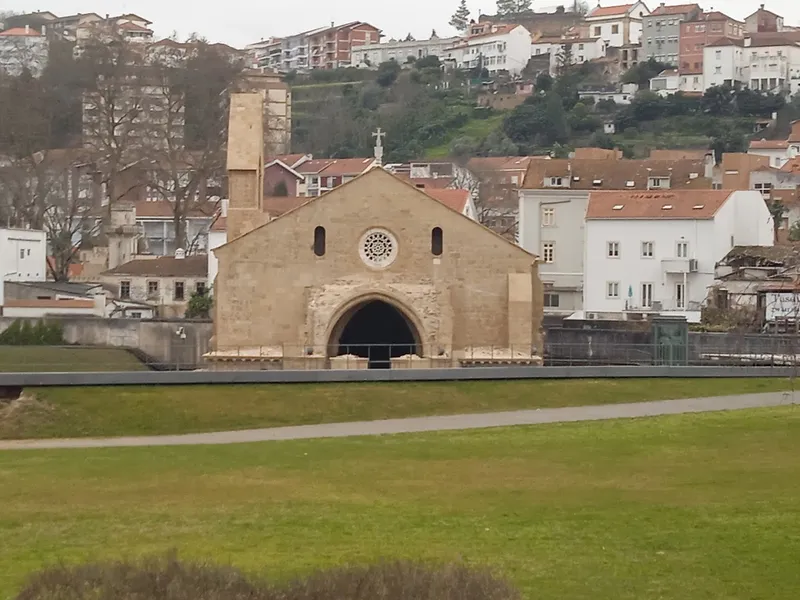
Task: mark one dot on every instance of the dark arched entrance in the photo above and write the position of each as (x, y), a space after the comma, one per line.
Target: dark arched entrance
(375, 330)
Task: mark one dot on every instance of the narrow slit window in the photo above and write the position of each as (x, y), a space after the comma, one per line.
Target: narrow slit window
(437, 241)
(319, 241)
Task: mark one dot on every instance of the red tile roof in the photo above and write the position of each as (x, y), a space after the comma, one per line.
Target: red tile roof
(678, 154)
(163, 209)
(75, 269)
(680, 204)
(21, 31)
(134, 27)
(610, 11)
(793, 166)
(769, 145)
(347, 166)
(427, 183)
(725, 41)
(50, 303)
(455, 199)
(714, 15)
(164, 266)
(597, 154)
(677, 9)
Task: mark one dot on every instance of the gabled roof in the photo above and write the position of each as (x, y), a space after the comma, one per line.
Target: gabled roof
(128, 26)
(610, 11)
(347, 166)
(679, 154)
(164, 266)
(769, 39)
(622, 174)
(455, 199)
(713, 15)
(21, 32)
(769, 144)
(725, 41)
(792, 166)
(675, 9)
(496, 164)
(285, 167)
(763, 11)
(680, 204)
(597, 154)
(132, 16)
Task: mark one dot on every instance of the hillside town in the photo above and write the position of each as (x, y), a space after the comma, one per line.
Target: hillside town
(120, 214)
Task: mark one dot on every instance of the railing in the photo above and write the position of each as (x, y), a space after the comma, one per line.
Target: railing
(589, 349)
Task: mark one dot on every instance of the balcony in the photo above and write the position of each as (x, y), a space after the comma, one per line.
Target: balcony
(679, 266)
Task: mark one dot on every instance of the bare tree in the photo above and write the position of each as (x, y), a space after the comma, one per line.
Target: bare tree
(497, 205)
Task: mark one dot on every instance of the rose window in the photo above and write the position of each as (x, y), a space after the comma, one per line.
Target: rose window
(378, 248)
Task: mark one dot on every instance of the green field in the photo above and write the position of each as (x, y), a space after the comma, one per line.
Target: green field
(41, 359)
(146, 410)
(477, 129)
(674, 508)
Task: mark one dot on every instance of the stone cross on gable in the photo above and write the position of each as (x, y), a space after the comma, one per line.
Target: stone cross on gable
(379, 135)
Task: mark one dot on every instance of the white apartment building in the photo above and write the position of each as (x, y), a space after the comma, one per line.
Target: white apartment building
(779, 152)
(295, 51)
(772, 63)
(266, 54)
(371, 55)
(23, 256)
(723, 63)
(499, 48)
(655, 253)
(665, 83)
(619, 25)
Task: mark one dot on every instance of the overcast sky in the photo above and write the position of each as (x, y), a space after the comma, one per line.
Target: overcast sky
(239, 22)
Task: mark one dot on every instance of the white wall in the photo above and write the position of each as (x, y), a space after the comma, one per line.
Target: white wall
(41, 313)
(513, 57)
(23, 256)
(604, 29)
(215, 240)
(743, 220)
(721, 64)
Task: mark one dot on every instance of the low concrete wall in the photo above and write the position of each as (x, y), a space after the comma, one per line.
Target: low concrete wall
(173, 344)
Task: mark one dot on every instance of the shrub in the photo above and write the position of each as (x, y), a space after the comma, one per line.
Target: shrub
(200, 305)
(22, 333)
(171, 579)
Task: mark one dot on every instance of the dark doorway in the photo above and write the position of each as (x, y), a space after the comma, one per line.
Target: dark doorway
(377, 331)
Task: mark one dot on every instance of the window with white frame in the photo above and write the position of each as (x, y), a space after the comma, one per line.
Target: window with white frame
(648, 249)
(555, 181)
(612, 289)
(551, 300)
(549, 252)
(612, 249)
(764, 188)
(682, 250)
(680, 295)
(647, 295)
(658, 182)
(548, 217)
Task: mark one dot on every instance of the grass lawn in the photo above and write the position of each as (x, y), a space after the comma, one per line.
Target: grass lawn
(477, 129)
(52, 358)
(116, 411)
(674, 508)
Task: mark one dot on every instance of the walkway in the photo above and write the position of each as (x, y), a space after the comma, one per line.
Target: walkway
(423, 424)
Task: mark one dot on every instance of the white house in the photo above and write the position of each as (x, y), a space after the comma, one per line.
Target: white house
(724, 63)
(23, 256)
(655, 253)
(371, 55)
(499, 48)
(619, 25)
(772, 62)
(575, 51)
(665, 83)
(779, 152)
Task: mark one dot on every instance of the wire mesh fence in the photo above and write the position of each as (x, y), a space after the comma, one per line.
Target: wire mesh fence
(702, 349)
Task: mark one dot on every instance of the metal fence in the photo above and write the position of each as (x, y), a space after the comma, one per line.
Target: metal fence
(702, 349)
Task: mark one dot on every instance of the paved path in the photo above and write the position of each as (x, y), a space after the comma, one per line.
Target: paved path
(422, 424)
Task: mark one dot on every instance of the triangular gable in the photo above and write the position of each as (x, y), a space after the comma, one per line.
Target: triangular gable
(390, 180)
(286, 167)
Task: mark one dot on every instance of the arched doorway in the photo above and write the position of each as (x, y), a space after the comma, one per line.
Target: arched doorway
(375, 330)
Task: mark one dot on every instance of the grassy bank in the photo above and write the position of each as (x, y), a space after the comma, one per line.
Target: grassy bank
(40, 359)
(695, 506)
(153, 410)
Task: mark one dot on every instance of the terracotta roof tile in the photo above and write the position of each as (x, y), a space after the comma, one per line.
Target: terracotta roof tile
(164, 266)
(680, 204)
(725, 41)
(617, 174)
(455, 199)
(783, 38)
(597, 154)
(52, 303)
(276, 206)
(21, 32)
(713, 15)
(676, 9)
(163, 209)
(610, 11)
(769, 145)
(427, 183)
(347, 166)
(792, 166)
(678, 154)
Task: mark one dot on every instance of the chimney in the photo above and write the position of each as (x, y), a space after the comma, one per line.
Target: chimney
(180, 254)
(762, 7)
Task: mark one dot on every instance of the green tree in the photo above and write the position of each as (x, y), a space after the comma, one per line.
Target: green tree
(557, 119)
(794, 232)
(506, 8)
(544, 83)
(601, 139)
(728, 141)
(460, 19)
(387, 73)
(463, 147)
(497, 143)
(642, 73)
(777, 210)
(581, 119)
(200, 305)
(719, 100)
(564, 60)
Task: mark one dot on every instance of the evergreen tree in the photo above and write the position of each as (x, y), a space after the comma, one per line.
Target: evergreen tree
(506, 8)
(460, 20)
(522, 6)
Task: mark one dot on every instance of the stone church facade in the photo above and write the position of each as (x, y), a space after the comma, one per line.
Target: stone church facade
(372, 274)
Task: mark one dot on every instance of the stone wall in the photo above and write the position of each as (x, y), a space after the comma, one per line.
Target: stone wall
(166, 344)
